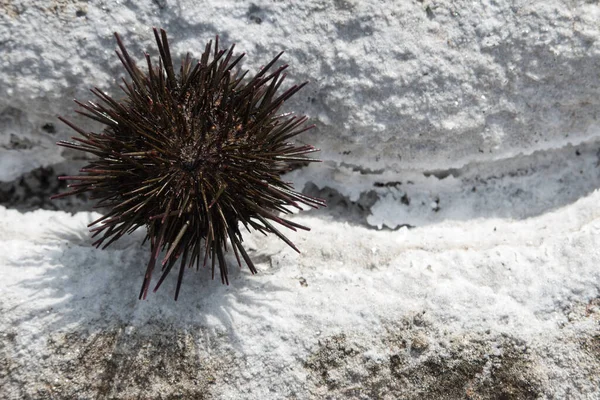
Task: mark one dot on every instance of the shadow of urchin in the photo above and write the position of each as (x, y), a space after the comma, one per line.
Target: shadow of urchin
(190, 156)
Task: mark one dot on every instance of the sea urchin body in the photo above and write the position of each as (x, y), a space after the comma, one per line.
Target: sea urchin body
(191, 155)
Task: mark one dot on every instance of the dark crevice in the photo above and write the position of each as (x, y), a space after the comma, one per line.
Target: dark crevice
(32, 191)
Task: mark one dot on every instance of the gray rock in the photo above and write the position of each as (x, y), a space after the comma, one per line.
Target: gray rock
(419, 85)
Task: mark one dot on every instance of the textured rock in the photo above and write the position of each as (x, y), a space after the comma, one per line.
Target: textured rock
(481, 309)
(419, 85)
(475, 121)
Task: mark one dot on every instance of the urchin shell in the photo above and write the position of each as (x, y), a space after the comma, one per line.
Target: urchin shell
(190, 156)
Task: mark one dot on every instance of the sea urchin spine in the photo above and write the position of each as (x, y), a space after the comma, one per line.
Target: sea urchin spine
(190, 156)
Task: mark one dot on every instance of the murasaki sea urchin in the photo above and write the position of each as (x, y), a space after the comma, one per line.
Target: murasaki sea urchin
(191, 155)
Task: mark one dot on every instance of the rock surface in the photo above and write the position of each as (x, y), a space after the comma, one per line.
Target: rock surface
(481, 309)
(404, 85)
(474, 123)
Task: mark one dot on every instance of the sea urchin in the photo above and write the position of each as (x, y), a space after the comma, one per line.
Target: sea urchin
(191, 156)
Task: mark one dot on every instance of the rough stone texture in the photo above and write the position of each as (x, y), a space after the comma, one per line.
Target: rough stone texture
(474, 121)
(416, 84)
(480, 309)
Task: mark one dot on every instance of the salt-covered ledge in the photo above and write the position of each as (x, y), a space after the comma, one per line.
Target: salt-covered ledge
(474, 308)
(420, 84)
